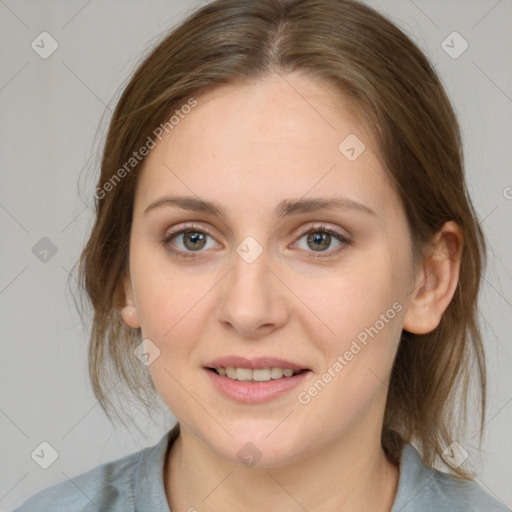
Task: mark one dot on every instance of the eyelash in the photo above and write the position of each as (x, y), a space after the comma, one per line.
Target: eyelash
(321, 228)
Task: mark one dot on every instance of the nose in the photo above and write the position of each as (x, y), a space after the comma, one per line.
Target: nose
(252, 299)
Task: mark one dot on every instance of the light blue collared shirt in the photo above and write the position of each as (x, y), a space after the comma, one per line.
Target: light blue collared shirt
(135, 483)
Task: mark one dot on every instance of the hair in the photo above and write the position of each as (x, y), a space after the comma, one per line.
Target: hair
(366, 57)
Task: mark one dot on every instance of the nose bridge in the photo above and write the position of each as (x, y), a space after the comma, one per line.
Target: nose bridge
(254, 271)
(249, 297)
(250, 276)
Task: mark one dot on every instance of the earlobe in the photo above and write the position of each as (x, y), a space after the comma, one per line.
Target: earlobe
(128, 309)
(436, 282)
(130, 316)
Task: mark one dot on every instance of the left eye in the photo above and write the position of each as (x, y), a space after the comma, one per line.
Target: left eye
(194, 239)
(320, 238)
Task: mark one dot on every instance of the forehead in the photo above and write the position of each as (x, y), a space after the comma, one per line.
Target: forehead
(264, 142)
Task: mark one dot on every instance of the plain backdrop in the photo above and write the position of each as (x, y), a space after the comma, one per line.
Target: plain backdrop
(51, 110)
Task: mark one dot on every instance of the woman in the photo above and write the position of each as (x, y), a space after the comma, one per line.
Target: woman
(286, 254)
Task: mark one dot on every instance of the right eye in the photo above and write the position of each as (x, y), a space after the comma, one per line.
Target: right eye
(193, 239)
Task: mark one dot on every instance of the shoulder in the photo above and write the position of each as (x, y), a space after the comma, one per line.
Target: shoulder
(422, 489)
(119, 485)
(101, 488)
(461, 495)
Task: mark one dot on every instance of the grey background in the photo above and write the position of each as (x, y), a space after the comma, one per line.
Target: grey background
(53, 117)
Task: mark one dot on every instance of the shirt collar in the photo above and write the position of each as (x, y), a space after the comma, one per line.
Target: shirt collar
(148, 478)
(414, 476)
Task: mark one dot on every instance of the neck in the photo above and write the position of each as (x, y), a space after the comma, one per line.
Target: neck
(349, 475)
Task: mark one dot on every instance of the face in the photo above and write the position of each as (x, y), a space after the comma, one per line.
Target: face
(325, 289)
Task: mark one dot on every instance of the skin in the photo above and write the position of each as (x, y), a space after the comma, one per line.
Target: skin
(249, 147)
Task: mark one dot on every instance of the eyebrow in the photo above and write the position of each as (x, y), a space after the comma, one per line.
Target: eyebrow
(283, 209)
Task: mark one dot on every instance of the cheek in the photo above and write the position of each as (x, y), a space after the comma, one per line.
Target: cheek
(358, 358)
(363, 310)
(355, 296)
(173, 316)
(173, 319)
(168, 295)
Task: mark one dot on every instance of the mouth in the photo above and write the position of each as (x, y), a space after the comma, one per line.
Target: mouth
(257, 374)
(252, 387)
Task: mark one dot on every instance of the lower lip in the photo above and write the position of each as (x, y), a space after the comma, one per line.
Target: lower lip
(250, 392)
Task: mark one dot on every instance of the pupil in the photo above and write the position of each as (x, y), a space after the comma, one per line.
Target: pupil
(319, 238)
(197, 239)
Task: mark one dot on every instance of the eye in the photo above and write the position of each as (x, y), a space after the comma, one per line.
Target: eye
(193, 239)
(319, 238)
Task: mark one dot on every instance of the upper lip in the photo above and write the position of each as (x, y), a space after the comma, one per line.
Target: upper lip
(253, 363)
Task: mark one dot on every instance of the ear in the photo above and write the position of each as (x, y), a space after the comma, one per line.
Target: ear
(437, 280)
(128, 308)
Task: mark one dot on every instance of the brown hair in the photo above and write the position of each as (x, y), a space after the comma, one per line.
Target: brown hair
(362, 54)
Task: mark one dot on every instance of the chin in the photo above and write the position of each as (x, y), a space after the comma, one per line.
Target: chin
(261, 450)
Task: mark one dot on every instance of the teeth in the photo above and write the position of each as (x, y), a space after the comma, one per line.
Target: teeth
(261, 374)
